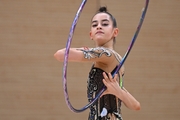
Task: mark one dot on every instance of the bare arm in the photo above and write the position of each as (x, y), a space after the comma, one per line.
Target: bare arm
(99, 54)
(74, 55)
(114, 88)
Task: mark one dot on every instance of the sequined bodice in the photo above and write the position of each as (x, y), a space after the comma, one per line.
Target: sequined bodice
(110, 103)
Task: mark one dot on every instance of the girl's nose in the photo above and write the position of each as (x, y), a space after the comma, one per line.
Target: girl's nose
(99, 26)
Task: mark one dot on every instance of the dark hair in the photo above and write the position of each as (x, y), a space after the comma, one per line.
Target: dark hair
(104, 10)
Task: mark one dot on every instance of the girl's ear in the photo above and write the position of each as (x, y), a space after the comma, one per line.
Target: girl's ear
(90, 34)
(116, 31)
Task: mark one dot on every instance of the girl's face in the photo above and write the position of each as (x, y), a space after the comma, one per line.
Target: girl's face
(102, 30)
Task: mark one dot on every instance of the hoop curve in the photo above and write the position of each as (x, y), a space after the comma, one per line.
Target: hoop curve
(68, 44)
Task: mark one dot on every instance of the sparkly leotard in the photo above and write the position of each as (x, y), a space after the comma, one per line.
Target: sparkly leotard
(109, 103)
(108, 106)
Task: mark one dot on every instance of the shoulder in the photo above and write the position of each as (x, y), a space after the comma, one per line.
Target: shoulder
(116, 55)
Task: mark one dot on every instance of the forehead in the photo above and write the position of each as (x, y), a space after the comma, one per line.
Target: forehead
(101, 16)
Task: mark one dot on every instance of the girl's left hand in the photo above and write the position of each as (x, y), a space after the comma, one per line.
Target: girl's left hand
(111, 84)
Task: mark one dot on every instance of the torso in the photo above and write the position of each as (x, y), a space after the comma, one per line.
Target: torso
(108, 102)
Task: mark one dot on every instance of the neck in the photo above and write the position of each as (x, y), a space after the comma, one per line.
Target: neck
(108, 44)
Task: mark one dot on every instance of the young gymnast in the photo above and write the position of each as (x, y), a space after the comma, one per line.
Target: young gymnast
(105, 60)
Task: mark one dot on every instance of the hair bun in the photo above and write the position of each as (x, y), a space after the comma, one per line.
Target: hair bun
(103, 9)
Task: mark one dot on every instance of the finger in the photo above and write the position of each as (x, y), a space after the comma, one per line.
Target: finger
(105, 76)
(115, 77)
(110, 77)
(105, 82)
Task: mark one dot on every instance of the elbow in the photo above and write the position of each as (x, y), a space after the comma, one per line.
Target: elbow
(56, 55)
(59, 55)
(137, 106)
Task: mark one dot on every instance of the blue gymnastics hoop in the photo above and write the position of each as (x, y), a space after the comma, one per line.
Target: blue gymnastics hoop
(68, 44)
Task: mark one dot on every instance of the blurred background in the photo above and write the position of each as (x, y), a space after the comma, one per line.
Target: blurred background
(31, 31)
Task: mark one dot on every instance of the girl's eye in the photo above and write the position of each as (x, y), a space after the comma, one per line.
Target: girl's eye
(94, 25)
(105, 24)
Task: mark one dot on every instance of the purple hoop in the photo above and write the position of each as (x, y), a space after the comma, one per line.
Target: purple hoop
(68, 44)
